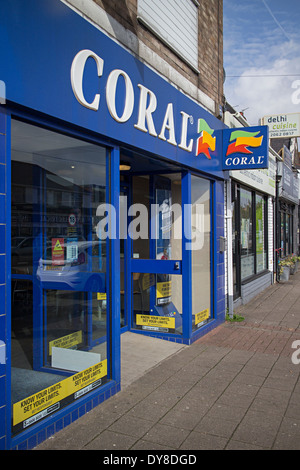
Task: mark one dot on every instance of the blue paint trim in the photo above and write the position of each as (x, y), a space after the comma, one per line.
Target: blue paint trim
(187, 288)
(173, 337)
(8, 276)
(203, 330)
(114, 271)
(155, 266)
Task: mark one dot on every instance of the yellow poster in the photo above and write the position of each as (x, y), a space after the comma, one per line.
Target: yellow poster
(30, 406)
(155, 321)
(66, 342)
(101, 295)
(201, 316)
(164, 289)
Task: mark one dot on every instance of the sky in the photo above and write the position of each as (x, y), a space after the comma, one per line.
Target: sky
(262, 57)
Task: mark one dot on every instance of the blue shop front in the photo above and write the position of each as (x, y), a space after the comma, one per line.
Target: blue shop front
(111, 216)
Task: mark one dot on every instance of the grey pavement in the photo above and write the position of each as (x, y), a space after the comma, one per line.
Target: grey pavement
(236, 388)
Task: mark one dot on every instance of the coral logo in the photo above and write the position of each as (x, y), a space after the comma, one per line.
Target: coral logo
(206, 142)
(245, 148)
(243, 140)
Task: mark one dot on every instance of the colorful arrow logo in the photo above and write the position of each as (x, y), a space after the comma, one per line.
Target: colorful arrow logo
(243, 140)
(205, 142)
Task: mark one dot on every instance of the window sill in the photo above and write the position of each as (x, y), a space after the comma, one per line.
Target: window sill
(254, 276)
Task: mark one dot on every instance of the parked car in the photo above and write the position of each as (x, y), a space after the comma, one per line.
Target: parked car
(82, 267)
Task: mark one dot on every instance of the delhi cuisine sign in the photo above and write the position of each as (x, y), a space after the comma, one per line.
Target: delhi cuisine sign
(282, 125)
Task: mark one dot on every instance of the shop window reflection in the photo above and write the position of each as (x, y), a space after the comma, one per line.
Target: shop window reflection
(59, 305)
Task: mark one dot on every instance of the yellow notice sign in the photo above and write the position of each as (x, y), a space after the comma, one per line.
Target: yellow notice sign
(201, 316)
(155, 321)
(25, 409)
(66, 342)
(101, 295)
(164, 289)
(57, 247)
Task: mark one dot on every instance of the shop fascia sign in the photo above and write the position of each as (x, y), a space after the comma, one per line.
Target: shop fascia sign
(282, 125)
(240, 148)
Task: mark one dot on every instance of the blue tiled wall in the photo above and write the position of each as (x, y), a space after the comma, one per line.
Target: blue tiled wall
(2, 277)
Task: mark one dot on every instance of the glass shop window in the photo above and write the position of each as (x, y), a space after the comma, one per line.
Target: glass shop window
(261, 234)
(201, 262)
(247, 245)
(58, 264)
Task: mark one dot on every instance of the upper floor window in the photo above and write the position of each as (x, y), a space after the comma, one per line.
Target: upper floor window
(175, 22)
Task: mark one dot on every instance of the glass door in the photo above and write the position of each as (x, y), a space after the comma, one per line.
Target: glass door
(156, 263)
(125, 254)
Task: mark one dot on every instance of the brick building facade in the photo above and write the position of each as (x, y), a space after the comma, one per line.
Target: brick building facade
(120, 20)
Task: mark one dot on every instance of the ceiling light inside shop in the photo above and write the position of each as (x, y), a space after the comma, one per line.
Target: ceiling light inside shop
(125, 166)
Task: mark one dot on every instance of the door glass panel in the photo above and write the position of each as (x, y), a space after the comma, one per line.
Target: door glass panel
(157, 302)
(155, 217)
(168, 217)
(261, 254)
(59, 303)
(201, 232)
(124, 242)
(247, 255)
(155, 229)
(139, 213)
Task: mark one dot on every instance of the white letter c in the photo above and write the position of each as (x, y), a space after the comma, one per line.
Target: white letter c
(77, 70)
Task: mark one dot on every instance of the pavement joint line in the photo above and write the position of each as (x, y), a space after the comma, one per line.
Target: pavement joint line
(141, 399)
(265, 328)
(155, 423)
(213, 403)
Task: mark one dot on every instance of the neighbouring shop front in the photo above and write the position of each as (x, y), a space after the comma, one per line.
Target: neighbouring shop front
(287, 207)
(112, 213)
(253, 203)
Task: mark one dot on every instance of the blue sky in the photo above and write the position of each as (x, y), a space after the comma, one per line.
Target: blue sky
(262, 56)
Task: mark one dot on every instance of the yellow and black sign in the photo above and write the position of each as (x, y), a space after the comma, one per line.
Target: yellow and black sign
(201, 316)
(163, 289)
(66, 342)
(153, 321)
(101, 295)
(31, 409)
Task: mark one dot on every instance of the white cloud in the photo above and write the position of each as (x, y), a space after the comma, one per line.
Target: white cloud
(267, 89)
(260, 62)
